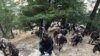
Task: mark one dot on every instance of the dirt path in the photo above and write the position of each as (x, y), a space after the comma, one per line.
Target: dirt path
(29, 46)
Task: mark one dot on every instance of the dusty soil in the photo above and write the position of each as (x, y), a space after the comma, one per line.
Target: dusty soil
(28, 46)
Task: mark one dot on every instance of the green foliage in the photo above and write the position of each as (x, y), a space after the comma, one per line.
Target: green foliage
(33, 10)
(96, 21)
(71, 11)
(6, 18)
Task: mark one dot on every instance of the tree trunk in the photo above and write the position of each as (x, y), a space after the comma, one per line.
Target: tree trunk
(12, 34)
(3, 32)
(92, 16)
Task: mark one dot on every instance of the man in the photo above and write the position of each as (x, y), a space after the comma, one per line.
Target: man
(46, 45)
(94, 36)
(8, 48)
(76, 39)
(60, 40)
(96, 46)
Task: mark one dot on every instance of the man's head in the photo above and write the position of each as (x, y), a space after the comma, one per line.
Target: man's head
(45, 36)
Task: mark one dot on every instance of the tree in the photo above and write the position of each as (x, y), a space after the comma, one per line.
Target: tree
(52, 9)
(6, 18)
(90, 24)
(94, 10)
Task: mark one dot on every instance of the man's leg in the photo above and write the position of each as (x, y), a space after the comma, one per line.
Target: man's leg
(90, 41)
(50, 53)
(42, 51)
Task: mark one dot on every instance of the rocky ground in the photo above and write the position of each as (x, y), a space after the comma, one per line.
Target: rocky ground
(28, 46)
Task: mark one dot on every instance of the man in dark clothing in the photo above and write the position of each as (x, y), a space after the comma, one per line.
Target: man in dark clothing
(76, 39)
(96, 48)
(8, 48)
(94, 36)
(60, 40)
(46, 45)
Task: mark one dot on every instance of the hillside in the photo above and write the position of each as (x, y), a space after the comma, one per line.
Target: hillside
(28, 46)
